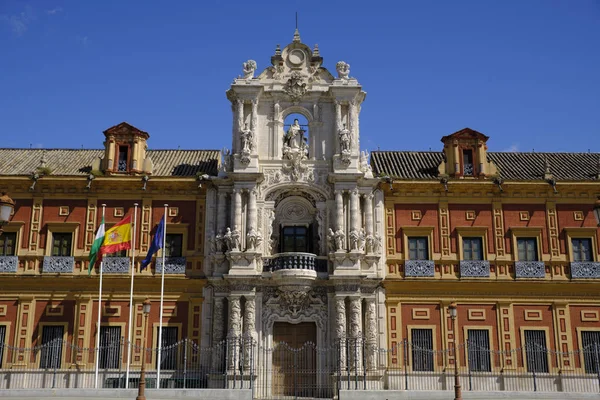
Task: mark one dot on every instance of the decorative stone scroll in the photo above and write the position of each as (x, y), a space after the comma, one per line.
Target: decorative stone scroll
(115, 265)
(58, 264)
(530, 269)
(419, 268)
(173, 265)
(585, 270)
(9, 263)
(475, 269)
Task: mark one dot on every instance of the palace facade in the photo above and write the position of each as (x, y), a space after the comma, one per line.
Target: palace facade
(296, 236)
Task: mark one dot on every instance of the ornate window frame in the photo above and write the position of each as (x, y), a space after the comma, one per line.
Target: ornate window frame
(476, 232)
(40, 329)
(179, 229)
(546, 330)
(421, 231)
(63, 227)
(579, 339)
(582, 233)
(490, 329)
(4, 362)
(434, 337)
(529, 232)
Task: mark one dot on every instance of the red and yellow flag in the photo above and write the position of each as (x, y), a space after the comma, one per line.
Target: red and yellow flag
(118, 237)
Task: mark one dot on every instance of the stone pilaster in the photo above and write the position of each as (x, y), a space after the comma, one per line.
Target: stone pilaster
(355, 333)
(252, 222)
(218, 331)
(236, 209)
(354, 210)
(24, 329)
(339, 209)
(369, 213)
(552, 221)
(338, 123)
(506, 335)
(235, 331)
(340, 329)
(562, 326)
(221, 211)
(249, 329)
(83, 318)
(371, 333)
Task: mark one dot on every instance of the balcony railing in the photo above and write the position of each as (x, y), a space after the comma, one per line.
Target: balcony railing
(530, 269)
(585, 270)
(58, 264)
(292, 261)
(474, 269)
(419, 268)
(173, 265)
(9, 263)
(115, 265)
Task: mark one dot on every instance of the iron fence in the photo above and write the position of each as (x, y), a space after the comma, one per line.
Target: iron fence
(309, 372)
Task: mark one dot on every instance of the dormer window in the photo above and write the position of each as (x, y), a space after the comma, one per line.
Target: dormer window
(468, 163)
(122, 160)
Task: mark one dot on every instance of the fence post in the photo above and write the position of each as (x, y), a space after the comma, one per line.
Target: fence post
(364, 365)
(54, 347)
(465, 352)
(185, 344)
(226, 370)
(597, 358)
(405, 345)
(295, 373)
(122, 348)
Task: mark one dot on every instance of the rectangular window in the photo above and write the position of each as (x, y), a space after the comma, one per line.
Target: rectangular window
(417, 248)
(527, 249)
(169, 347)
(295, 239)
(479, 350)
(590, 343)
(110, 346)
(536, 350)
(173, 246)
(468, 163)
(51, 347)
(582, 249)
(422, 349)
(8, 244)
(2, 342)
(61, 243)
(122, 165)
(120, 253)
(472, 249)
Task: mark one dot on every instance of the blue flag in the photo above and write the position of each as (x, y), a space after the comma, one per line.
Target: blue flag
(157, 243)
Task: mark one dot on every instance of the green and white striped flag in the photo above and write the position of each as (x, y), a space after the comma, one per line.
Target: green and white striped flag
(96, 246)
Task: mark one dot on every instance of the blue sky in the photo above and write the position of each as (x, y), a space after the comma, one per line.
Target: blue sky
(525, 73)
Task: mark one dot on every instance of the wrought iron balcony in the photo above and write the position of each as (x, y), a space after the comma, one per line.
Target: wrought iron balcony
(585, 270)
(116, 265)
(173, 265)
(58, 264)
(474, 269)
(9, 263)
(419, 268)
(293, 261)
(530, 269)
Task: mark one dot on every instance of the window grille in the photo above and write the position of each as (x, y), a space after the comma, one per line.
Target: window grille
(51, 349)
(110, 346)
(479, 350)
(590, 342)
(169, 350)
(536, 351)
(422, 349)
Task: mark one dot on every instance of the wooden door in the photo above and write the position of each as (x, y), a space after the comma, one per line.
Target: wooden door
(294, 359)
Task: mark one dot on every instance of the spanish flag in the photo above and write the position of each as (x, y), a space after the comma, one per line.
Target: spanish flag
(118, 237)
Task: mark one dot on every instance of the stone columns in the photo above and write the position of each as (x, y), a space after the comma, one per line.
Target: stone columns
(237, 107)
(235, 331)
(371, 333)
(339, 208)
(340, 329)
(221, 212)
(338, 124)
(249, 330)
(351, 127)
(369, 214)
(354, 332)
(236, 209)
(252, 223)
(354, 210)
(218, 331)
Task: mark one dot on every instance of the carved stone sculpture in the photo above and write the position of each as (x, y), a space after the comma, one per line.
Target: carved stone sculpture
(344, 135)
(343, 70)
(377, 244)
(339, 240)
(331, 243)
(253, 239)
(294, 137)
(369, 244)
(248, 69)
(354, 237)
(361, 239)
(364, 164)
(247, 139)
(232, 239)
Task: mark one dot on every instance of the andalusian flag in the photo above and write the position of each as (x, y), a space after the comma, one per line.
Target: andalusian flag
(118, 237)
(96, 246)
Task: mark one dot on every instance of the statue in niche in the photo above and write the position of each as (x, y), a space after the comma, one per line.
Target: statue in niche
(232, 239)
(247, 139)
(343, 70)
(344, 135)
(331, 240)
(361, 239)
(220, 242)
(354, 239)
(248, 69)
(228, 238)
(339, 240)
(377, 244)
(253, 239)
(369, 243)
(294, 137)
